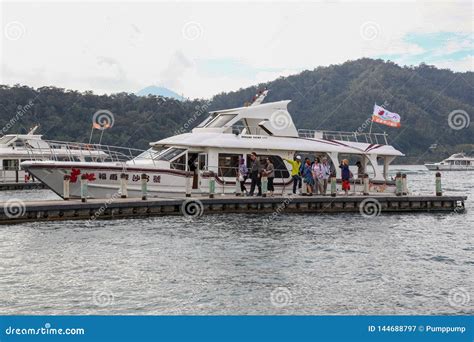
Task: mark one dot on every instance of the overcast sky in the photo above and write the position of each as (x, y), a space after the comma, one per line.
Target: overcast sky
(202, 48)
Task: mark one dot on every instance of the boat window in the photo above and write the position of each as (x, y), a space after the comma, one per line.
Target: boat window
(148, 154)
(5, 140)
(179, 163)
(170, 153)
(10, 164)
(154, 154)
(228, 164)
(206, 120)
(19, 143)
(221, 120)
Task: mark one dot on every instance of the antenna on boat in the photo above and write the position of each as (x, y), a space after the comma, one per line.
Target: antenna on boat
(258, 98)
(33, 129)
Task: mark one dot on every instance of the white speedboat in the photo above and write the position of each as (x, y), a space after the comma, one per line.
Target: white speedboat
(17, 148)
(456, 162)
(216, 145)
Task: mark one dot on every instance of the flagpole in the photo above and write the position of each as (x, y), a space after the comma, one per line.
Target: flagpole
(92, 131)
(370, 129)
(101, 133)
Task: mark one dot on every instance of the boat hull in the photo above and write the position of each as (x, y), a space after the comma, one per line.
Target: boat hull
(104, 181)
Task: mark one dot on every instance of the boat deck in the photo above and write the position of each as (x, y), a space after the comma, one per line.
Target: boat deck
(15, 211)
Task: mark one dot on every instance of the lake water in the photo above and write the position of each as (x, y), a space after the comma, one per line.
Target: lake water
(240, 264)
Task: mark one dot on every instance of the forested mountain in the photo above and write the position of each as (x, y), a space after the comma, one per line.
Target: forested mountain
(338, 97)
(341, 97)
(68, 115)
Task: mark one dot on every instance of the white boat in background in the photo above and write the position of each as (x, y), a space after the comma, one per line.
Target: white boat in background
(456, 162)
(213, 150)
(17, 148)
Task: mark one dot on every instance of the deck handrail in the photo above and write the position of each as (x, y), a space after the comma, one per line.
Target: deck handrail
(71, 151)
(369, 138)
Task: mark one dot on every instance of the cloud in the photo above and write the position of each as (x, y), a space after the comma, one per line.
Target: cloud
(448, 50)
(125, 47)
(461, 65)
(171, 77)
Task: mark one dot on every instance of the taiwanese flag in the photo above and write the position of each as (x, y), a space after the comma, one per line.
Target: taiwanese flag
(384, 117)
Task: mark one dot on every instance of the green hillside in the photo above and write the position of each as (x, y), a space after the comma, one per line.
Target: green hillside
(338, 97)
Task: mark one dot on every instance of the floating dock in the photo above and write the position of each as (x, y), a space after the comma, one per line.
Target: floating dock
(17, 211)
(22, 186)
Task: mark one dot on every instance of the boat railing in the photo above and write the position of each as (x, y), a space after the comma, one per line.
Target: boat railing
(73, 151)
(369, 138)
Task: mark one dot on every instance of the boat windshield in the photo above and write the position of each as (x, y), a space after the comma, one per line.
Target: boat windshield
(5, 140)
(148, 154)
(221, 120)
(168, 154)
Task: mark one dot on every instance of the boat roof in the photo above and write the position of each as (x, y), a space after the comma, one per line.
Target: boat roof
(460, 156)
(267, 126)
(251, 142)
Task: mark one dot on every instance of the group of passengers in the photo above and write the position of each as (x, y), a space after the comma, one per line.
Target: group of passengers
(315, 174)
(255, 172)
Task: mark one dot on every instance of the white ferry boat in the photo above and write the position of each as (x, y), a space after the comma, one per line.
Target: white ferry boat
(216, 145)
(17, 148)
(456, 162)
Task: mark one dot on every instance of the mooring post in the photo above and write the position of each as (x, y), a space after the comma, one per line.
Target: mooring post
(366, 184)
(144, 180)
(404, 184)
(189, 174)
(398, 184)
(238, 191)
(212, 184)
(84, 182)
(123, 186)
(264, 186)
(303, 187)
(439, 191)
(333, 186)
(66, 181)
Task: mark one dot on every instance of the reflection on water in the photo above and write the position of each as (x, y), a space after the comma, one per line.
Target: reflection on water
(240, 264)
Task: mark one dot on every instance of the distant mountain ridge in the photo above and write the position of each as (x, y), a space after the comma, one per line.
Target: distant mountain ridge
(159, 91)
